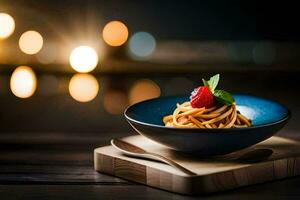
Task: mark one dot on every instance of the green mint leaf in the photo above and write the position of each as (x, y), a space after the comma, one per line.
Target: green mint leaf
(205, 83)
(213, 82)
(223, 97)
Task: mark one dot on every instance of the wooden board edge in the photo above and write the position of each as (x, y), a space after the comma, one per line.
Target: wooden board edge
(141, 174)
(253, 174)
(191, 185)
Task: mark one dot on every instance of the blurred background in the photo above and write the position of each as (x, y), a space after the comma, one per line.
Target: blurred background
(75, 65)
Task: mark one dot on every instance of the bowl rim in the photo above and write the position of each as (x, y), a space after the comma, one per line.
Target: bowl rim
(284, 119)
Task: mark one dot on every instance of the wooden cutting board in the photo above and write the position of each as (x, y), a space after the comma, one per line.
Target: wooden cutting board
(213, 174)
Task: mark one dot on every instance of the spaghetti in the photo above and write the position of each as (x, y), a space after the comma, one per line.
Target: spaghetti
(224, 116)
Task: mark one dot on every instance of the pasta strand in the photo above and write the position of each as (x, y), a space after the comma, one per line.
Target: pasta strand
(226, 116)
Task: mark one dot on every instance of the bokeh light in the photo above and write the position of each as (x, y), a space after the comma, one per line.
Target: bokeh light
(83, 87)
(31, 42)
(115, 33)
(142, 90)
(7, 25)
(141, 45)
(23, 82)
(83, 59)
(115, 102)
(48, 54)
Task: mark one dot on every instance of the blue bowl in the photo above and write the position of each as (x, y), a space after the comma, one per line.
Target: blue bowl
(267, 117)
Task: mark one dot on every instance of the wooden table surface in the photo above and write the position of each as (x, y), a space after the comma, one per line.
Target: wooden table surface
(37, 165)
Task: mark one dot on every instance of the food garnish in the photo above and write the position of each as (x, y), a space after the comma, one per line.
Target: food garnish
(208, 108)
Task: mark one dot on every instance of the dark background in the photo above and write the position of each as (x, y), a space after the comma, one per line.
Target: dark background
(47, 140)
(186, 20)
(221, 35)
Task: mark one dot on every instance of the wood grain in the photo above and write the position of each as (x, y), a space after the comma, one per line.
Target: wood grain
(213, 174)
(133, 150)
(51, 178)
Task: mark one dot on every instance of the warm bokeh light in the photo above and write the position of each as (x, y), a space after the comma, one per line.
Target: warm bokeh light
(141, 45)
(83, 59)
(31, 42)
(142, 90)
(83, 87)
(115, 33)
(23, 82)
(7, 25)
(115, 102)
(48, 54)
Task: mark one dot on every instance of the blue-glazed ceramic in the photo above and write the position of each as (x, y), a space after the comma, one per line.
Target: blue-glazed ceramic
(267, 117)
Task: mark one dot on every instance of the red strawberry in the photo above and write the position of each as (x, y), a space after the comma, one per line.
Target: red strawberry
(202, 97)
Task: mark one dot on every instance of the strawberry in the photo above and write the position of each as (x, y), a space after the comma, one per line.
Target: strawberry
(202, 97)
(205, 96)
